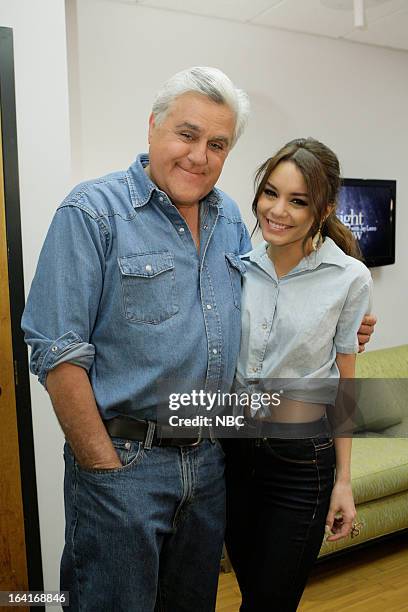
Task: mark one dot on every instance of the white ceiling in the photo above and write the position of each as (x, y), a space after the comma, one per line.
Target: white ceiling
(386, 20)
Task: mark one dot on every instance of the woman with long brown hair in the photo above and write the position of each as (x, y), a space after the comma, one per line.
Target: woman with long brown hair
(304, 295)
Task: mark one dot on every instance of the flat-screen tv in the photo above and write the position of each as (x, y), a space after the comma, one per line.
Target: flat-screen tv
(367, 207)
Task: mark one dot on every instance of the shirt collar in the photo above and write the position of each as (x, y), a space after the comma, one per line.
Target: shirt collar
(329, 253)
(141, 186)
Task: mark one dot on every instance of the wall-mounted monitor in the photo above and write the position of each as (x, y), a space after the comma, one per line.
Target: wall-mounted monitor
(367, 207)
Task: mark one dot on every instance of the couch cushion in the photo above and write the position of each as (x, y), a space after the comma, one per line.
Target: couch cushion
(381, 403)
(398, 431)
(385, 363)
(379, 467)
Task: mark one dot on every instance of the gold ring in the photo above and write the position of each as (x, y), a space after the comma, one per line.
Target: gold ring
(355, 529)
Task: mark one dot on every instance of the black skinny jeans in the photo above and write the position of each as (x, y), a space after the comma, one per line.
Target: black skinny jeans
(278, 496)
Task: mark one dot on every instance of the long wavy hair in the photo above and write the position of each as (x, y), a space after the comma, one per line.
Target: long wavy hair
(321, 171)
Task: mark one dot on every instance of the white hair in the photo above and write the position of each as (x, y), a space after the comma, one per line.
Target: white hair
(207, 81)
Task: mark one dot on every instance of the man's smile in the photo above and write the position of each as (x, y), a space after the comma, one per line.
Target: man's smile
(190, 172)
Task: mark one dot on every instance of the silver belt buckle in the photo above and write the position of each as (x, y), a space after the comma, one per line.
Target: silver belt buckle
(198, 440)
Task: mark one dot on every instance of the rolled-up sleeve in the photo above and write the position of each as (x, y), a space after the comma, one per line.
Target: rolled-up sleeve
(64, 297)
(357, 304)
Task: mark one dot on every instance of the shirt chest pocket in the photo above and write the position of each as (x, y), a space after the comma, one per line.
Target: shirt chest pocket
(236, 270)
(148, 287)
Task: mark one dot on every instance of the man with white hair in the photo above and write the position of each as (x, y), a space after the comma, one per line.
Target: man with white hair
(138, 282)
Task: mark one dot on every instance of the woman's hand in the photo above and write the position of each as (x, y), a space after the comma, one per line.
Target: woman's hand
(341, 503)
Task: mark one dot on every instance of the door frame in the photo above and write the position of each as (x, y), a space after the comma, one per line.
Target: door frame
(17, 300)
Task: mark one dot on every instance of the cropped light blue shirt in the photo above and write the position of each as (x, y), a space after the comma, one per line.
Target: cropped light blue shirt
(293, 326)
(122, 291)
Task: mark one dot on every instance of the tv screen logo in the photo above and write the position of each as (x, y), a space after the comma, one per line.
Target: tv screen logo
(355, 222)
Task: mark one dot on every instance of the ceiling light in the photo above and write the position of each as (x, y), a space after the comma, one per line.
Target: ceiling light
(348, 5)
(359, 14)
(358, 6)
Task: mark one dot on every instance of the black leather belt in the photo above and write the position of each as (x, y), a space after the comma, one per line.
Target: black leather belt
(134, 429)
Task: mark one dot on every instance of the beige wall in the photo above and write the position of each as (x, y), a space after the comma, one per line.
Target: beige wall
(353, 97)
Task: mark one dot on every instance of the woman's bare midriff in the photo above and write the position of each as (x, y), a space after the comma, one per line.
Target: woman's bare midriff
(292, 411)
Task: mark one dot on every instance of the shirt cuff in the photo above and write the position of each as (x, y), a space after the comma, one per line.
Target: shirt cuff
(66, 348)
(347, 349)
(82, 355)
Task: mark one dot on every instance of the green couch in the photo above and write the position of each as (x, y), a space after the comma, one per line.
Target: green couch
(380, 456)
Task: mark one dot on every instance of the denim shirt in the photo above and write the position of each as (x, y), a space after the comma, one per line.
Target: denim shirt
(293, 326)
(121, 290)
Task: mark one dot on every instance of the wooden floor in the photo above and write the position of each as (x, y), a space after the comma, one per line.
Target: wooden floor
(373, 579)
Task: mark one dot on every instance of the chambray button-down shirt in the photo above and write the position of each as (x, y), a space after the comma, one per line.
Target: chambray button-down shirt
(121, 290)
(293, 326)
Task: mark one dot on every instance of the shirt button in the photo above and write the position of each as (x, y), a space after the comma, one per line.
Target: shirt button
(54, 349)
(254, 369)
(181, 230)
(161, 199)
(209, 306)
(215, 351)
(205, 226)
(148, 268)
(264, 326)
(127, 445)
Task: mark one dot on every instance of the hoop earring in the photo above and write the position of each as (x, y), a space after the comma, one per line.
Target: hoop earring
(317, 239)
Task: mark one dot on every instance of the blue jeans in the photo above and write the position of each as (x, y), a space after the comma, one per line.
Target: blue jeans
(146, 536)
(278, 496)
